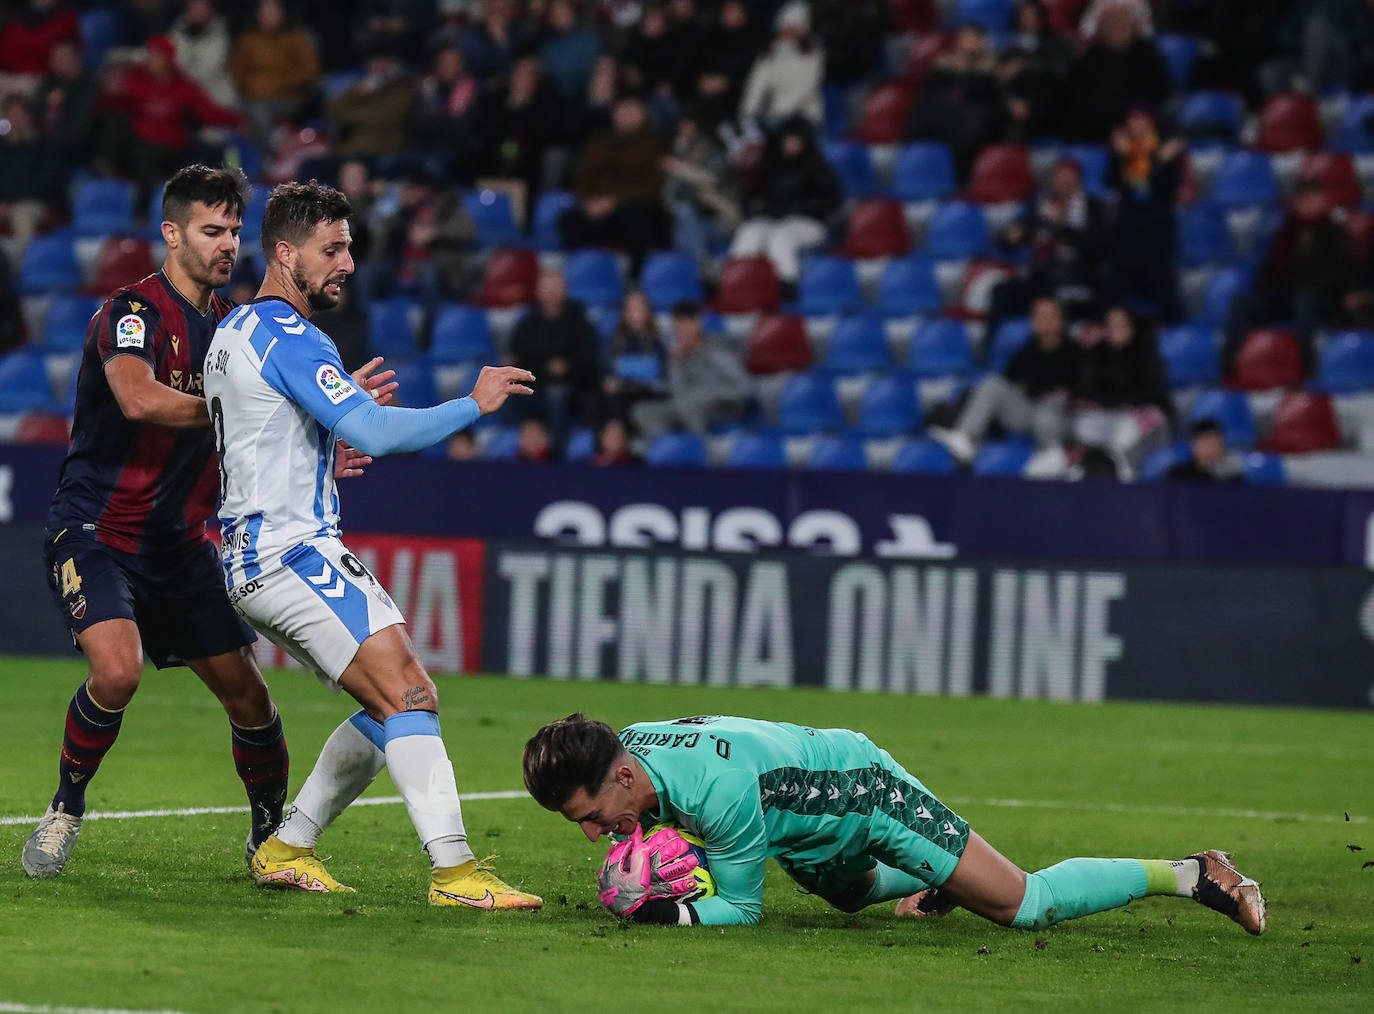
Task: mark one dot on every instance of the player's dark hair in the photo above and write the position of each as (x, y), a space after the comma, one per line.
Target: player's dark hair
(224, 187)
(295, 209)
(573, 753)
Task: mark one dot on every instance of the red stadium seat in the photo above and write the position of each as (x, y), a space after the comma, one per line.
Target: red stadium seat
(42, 428)
(1336, 170)
(122, 262)
(1268, 359)
(877, 228)
(509, 278)
(921, 57)
(1303, 423)
(1064, 15)
(908, 16)
(778, 344)
(1290, 123)
(748, 285)
(885, 112)
(1001, 172)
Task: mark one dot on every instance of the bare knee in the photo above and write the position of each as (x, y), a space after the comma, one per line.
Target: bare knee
(112, 682)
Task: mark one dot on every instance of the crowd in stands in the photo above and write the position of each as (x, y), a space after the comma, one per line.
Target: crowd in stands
(1056, 238)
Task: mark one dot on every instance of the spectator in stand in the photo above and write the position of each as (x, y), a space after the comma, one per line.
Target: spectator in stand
(65, 103)
(636, 334)
(1330, 41)
(557, 343)
(446, 105)
(426, 247)
(403, 26)
(1208, 460)
(619, 187)
(517, 123)
(794, 192)
(589, 114)
(961, 102)
(27, 39)
(491, 44)
(11, 310)
(357, 184)
(1033, 69)
(1030, 396)
(202, 40)
(1121, 69)
(650, 62)
(688, 40)
(1145, 171)
(732, 46)
(700, 191)
(852, 33)
(33, 173)
(462, 446)
(1091, 19)
(785, 81)
(568, 50)
(532, 442)
(372, 117)
(1123, 394)
(613, 445)
(275, 66)
(707, 383)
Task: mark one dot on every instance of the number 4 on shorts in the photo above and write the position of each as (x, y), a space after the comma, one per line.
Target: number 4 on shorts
(71, 580)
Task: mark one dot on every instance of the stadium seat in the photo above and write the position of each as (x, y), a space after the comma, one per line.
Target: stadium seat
(461, 334)
(581, 445)
(390, 331)
(121, 262)
(1180, 52)
(1211, 115)
(877, 228)
(49, 264)
(593, 278)
(1001, 173)
(756, 450)
(1010, 336)
(924, 51)
(503, 444)
(491, 211)
(1303, 423)
(1263, 469)
(908, 287)
(418, 389)
(1357, 126)
(1190, 355)
(991, 15)
(1245, 178)
(1291, 122)
(103, 208)
(748, 285)
(1064, 15)
(853, 166)
(885, 111)
(509, 277)
(1003, 457)
(1268, 359)
(683, 450)
(838, 453)
(924, 456)
(99, 34)
(43, 428)
(809, 404)
(643, 368)
(923, 171)
(24, 383)
(777, 344)
(858, 344)
(958, 230)
(890, 407)
(250, 237)
(1222, 290)
(1336, 171)
(1229, 408)
(69, 317)
(1092, 161)
(910, 17)
(670, 277)
(828, 285)
(1347, 364)
(940, 348)
(1158, 462)
(1204, 236)
(549, 206)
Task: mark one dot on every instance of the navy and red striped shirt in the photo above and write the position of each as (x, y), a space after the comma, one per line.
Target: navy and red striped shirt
(140, 487)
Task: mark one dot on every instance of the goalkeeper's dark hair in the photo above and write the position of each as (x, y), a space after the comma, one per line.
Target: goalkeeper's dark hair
(224, 187)
(295, 209)
(573, 753)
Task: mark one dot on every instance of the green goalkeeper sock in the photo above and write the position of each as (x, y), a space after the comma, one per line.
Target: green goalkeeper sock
(890, 884)
(1079, 887)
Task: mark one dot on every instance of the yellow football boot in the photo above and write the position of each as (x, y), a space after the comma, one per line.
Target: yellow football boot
(476, 885)
(277, 864)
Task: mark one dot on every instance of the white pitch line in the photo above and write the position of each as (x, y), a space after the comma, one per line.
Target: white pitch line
(24, 1008)
(1014, 804)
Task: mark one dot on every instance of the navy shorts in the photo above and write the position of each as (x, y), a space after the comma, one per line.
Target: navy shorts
(177, 599)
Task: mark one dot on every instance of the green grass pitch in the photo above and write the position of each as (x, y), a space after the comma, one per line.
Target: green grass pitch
(156, 913)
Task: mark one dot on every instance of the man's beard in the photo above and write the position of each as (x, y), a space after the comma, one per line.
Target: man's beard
(200, 271)
(317, 298)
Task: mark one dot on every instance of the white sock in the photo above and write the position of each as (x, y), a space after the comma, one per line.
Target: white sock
(420, 767)
(1187, 871)
(350, 760)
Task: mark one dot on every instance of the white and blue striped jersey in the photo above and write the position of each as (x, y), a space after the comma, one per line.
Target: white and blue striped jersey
(275, 388)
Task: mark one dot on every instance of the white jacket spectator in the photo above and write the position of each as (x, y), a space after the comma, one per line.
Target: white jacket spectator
(202, 40)
(786, 80)
(1140, 9)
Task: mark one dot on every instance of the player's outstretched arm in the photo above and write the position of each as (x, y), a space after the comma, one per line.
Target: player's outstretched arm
(144, 399)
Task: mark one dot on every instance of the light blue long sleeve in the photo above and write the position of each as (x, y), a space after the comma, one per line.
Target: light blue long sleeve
(384, 429)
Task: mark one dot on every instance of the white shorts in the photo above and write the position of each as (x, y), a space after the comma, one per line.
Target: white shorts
(318, 607)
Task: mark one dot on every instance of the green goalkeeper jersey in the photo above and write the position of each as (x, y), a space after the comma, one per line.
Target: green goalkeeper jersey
(753, 789)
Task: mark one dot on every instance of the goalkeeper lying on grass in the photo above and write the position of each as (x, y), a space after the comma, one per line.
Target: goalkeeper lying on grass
(842, 818)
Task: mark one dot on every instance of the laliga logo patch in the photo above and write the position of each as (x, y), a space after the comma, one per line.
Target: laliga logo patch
(334, 385)
(78, 608)
(129, 332)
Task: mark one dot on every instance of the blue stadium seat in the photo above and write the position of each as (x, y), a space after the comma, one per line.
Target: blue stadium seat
(924, 456)
(1211, 115)
(809, 404)
(1203, 235)
(593, 277)
(853, 166)
(250, 237)
(756, 450)
(103, 208)
(1159, 461)
(1190, 355)
(502, 444)
(461, 334)
(669, 277)
(923, 171)
(1229, 408)
(1264, 469)
(99, 34)
(1092, 160)
(1347, 364)
(828, 285)
(1245, 178)
(890, 407)
(940, 348)
(581, 445)
(68, 318)
(1011, 334)
(1222, 290)
(24, 383)
(643, 369)
(685, 450)
(547, 209)
(908, 287)
(336, 82)
(992, 15)
(1003, 457)
(1180, 52)
(491, 211)
(839, 453)
(418, 389)
(604, 319)
(958, 230)
(1356, 134)
(858, 344)
(49, 264)
(390, 331)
